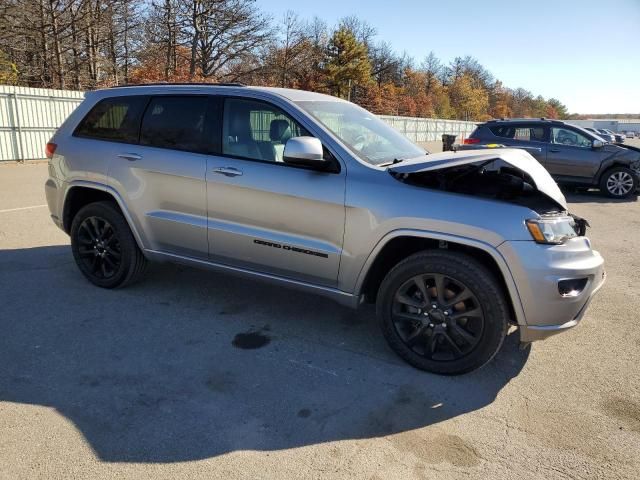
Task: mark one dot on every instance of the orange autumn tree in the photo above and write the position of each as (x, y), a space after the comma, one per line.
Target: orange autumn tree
(99, 44)
(154, 67)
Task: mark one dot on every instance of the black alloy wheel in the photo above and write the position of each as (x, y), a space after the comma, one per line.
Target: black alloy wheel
(104, 247)
(443, 311)
(437, 317)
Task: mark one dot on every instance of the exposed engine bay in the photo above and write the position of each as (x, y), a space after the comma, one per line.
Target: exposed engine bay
(504, 183)
(506, 175)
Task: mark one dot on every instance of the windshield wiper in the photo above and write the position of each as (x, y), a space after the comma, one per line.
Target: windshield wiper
(395, 160)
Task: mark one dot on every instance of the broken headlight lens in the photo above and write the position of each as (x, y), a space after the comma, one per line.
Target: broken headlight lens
(552, 230)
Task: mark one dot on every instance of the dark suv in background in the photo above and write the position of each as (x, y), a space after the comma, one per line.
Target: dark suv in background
(572, 155)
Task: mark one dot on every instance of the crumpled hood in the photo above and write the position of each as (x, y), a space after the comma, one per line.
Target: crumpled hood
(512, 156)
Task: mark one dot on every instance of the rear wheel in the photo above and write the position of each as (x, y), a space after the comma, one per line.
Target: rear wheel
(104, 248)
(619, 182)
(443, 312)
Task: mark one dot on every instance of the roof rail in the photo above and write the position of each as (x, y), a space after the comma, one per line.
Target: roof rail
(542, 119)
(155, 84)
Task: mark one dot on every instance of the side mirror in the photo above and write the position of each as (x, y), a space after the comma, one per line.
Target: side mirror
(305, 152)
(597, 144)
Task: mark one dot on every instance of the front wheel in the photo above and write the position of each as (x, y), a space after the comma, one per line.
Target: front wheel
(619, 182)
(443, 312)
(103, 246)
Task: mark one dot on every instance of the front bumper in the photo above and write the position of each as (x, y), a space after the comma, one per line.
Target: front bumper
(539, 270)
(532, 333)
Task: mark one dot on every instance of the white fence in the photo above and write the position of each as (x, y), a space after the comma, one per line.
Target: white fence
(421, 130)
(30, 116)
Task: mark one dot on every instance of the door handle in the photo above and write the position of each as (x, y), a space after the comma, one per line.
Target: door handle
(228, 171)
(132, 157)
(554, 150)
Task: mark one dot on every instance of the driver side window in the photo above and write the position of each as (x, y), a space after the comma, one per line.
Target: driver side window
(257, 130)
(563, 136)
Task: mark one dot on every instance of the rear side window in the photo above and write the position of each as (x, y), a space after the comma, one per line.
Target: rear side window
(524, 133)
(116, 119)
(176, 122)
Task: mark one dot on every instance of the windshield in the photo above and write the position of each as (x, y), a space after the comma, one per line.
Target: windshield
(366, 135)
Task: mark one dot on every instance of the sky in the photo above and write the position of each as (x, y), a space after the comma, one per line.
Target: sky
(584, 53)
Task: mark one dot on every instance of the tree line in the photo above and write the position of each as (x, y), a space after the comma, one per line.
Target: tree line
(88, 44)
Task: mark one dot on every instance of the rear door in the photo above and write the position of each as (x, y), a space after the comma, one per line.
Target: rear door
(162, 178)
(533, 138)
(571, 155)
(264, 214)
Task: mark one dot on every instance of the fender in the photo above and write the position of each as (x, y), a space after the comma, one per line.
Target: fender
(140, 239)
(615, 161)
(485, 247)
(630, 147)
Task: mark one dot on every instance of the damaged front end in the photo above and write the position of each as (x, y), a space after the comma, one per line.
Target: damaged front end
(506, 175)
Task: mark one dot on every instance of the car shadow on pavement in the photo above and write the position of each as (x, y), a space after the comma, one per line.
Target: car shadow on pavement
(189, 364)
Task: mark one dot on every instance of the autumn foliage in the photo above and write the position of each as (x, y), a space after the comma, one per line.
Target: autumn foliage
(86, 44)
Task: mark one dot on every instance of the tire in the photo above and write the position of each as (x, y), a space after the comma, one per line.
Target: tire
(420, 338)
(104, 248)
(619, 182)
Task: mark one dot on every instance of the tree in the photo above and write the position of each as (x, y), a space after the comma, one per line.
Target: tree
(432, 68)
(361, 30)
(441, 103)
(499, 100)
(346, 64)
(290, 54)
(469, 102)
(222, 34)
(520, 103)
(384, 63)
(558, 107)
(151, 67)
(86, 44)
(8, 70)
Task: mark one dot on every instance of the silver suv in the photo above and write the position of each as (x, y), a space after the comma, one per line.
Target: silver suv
(312, 192)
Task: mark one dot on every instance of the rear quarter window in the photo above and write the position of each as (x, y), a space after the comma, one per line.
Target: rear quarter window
(526, 133)
(116, 119)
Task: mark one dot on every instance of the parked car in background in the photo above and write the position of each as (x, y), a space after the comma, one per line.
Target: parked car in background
(572, 155)
(630, 134)
(309, 191)
(604, 136)
(609, 137)
(618, 137)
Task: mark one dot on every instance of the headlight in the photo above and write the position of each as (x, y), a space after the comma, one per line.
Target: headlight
(552, 230)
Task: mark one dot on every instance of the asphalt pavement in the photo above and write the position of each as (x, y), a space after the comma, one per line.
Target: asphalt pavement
(191, 374)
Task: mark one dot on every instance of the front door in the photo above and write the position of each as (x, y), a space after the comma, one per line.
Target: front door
(266, 215)
(571, 156)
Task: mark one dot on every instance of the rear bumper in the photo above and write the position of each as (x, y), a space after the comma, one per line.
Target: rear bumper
(540, 270)
(54, 191)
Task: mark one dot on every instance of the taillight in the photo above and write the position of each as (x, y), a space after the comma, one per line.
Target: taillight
(471, 141)
(50, 149)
